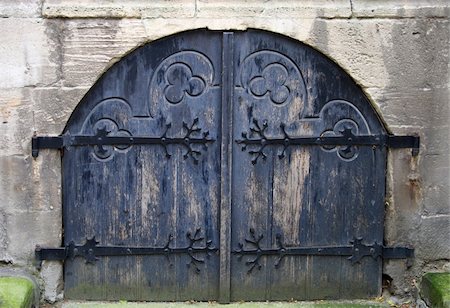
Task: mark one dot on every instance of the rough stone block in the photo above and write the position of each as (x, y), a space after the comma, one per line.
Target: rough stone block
(4, 258)
(435, 289)
(435, 169)
(283, 9)
(384, 53)
(395, 9)
(29, 184)
(91, 46)
(53, 106)
(28, 229)
(25, 54)
(16, 122)
(20, 8)
(410, 106)
(434, 239)
(118, 9)
(297, 28)
(52, 274)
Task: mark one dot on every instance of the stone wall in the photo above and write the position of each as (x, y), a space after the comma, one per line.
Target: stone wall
(53, 51)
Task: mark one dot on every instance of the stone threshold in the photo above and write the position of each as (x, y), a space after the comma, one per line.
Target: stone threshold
(321, 304)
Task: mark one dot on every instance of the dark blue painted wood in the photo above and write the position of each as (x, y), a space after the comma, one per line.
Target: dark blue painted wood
(137, 196)
(314, 196)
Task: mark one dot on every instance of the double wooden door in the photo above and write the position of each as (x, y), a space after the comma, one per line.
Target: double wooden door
(223, 183)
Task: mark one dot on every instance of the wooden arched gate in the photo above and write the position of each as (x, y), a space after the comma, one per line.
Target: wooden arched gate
(223, 166)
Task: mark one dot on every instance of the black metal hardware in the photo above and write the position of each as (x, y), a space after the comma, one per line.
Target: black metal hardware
(355, 252)
(102, 138)
(347, 138)
(90, 251)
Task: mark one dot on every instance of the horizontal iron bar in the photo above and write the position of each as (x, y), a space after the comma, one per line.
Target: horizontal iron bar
(355, 252)
(362, 140)
(45, 142)
(62, 253)
(386, 252)
(59, 142)
(90, 251)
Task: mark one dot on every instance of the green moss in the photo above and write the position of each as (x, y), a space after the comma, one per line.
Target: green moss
(15, 292)
(435, 289)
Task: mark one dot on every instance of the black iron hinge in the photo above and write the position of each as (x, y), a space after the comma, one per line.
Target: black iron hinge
(91, 252)
(193, 135)
(258, 140)
(354, 252)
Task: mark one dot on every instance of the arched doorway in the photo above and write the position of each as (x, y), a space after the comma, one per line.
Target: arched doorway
(224, 166)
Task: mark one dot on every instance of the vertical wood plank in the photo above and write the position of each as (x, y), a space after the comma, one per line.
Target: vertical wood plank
(226, 166)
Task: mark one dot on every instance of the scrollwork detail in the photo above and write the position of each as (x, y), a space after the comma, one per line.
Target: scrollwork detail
(344, 127)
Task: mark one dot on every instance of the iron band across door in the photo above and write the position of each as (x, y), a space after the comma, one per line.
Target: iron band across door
(90, 251)
(345, 138)
(102, 138)
(355, 252)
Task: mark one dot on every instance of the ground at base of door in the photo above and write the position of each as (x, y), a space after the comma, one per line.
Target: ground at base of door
(321, 304)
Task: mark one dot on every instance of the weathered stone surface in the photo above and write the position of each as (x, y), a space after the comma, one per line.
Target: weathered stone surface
(382, 53)
(42, 228)
(283, 9)
(4, 258)
(20, 8)
(91, 46)
(53, 107)
(118, 9)
(434, 240)
(16, 122)
(25, 53)
(52, 274)
(395, 9)
(404, 106)
(294, 27)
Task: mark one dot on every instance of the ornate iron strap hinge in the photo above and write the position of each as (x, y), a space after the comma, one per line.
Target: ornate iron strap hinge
(90, 251)
(103, 138)
(347, 139)
(355, 252)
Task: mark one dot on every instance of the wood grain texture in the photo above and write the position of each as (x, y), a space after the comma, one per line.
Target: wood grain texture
(227, 84)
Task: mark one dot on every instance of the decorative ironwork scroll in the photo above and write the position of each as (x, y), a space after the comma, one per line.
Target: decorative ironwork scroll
(91, 252)
(102, 138)
(355, 252)
(344, 138)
